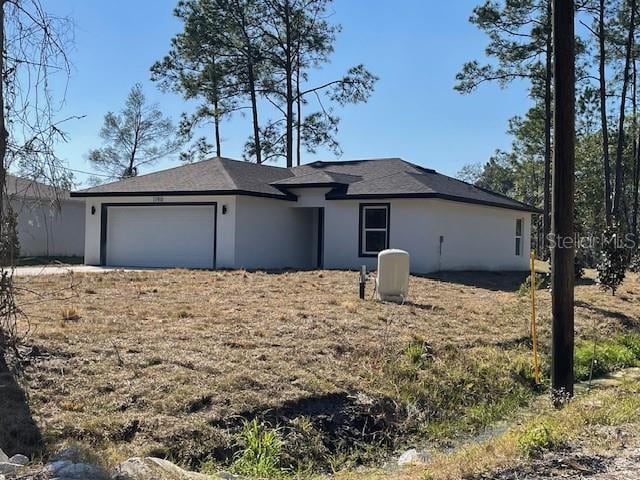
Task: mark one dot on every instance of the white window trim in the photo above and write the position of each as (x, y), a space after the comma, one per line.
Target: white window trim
(363, 233)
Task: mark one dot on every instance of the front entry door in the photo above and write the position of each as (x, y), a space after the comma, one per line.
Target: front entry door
(320, 257)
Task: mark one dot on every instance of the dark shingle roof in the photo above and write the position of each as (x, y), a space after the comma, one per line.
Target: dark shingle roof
(355, 179)
(396, 178)
(214, 176)
(317, 178)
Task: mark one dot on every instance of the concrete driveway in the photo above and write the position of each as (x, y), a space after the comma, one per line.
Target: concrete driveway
(62, 269)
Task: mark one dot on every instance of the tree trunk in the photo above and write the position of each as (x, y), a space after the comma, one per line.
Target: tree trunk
(251, 77)
(134, 149)
(254, 113)
(562, 213)
(216, 111)
(617, 193)
(299, 112)
(289, 83)
(636, 155)
(216, 124)
(603, 114)
(546, 222)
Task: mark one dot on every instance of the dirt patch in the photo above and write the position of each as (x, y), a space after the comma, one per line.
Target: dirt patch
(314, 429)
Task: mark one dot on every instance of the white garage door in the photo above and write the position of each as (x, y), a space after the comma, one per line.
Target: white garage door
(161, 236)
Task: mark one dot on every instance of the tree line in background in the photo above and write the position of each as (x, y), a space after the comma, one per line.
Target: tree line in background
(239, 56)
(608, 137)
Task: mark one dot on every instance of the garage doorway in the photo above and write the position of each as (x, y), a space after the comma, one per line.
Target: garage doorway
(320, 240)
(158, 235)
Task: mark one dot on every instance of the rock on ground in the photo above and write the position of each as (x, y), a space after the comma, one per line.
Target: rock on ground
(3, 457)
(150, 468)
(7, 467)
(67, 470)
(19, 459)
(67, 465)
(413, 457)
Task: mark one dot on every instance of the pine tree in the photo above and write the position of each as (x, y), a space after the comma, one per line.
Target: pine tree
(613, 260)
(519, 48)
(137, 136)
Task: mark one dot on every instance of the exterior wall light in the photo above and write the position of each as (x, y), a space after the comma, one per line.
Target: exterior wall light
(93, 209)
(224, 209)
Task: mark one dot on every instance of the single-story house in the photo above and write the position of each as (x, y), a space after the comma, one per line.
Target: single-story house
(223, 213)
(49, 222)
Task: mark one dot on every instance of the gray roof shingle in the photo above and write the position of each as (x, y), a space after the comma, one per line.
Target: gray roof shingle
(317, 178)
(376, 178)
(214, 176)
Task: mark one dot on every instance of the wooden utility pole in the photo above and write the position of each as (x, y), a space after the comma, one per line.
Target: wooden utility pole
(562, 228)
(543, 247)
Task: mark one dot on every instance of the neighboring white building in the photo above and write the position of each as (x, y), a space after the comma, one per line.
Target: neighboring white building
(50, 223)
(223, 213)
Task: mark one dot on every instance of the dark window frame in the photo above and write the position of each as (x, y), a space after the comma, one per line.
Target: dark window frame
(519, 238)
(361, 227)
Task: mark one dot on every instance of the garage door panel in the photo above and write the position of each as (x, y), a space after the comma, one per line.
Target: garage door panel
(161, 236)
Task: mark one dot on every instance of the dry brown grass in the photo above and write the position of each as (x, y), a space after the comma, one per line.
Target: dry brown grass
(158, 361)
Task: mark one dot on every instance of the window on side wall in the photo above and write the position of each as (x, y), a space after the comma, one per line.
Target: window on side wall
(374, 228)
(519, 224)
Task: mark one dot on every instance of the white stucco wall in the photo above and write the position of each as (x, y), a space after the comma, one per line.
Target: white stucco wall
(46, 229)
(225, 228)
(474, 237)
(268, 233)
(272, 233)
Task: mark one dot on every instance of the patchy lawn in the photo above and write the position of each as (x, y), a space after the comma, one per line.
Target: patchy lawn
(170, 363)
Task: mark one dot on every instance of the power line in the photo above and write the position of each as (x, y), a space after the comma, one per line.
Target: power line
(86, 173)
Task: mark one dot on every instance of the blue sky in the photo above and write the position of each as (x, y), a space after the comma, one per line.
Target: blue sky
(414, 46)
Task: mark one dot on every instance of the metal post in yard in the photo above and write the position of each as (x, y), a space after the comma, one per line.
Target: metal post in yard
(534, 330)
(562, 213)
(363, 280)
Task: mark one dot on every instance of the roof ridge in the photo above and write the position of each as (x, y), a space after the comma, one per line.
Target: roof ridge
(354, 160)
(327, 173)
(226, 173)
(418, 167)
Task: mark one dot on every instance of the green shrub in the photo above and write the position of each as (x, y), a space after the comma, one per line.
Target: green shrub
(260, 454)
(417, 352)
(610, 355)
(542, 281)
(613, 260)
(634, 264)
(632, 342)
(579, 266)
(458, 391)
(9, 243)
(538, 437)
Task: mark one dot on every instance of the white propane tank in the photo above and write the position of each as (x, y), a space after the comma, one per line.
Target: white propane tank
(392, 282)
